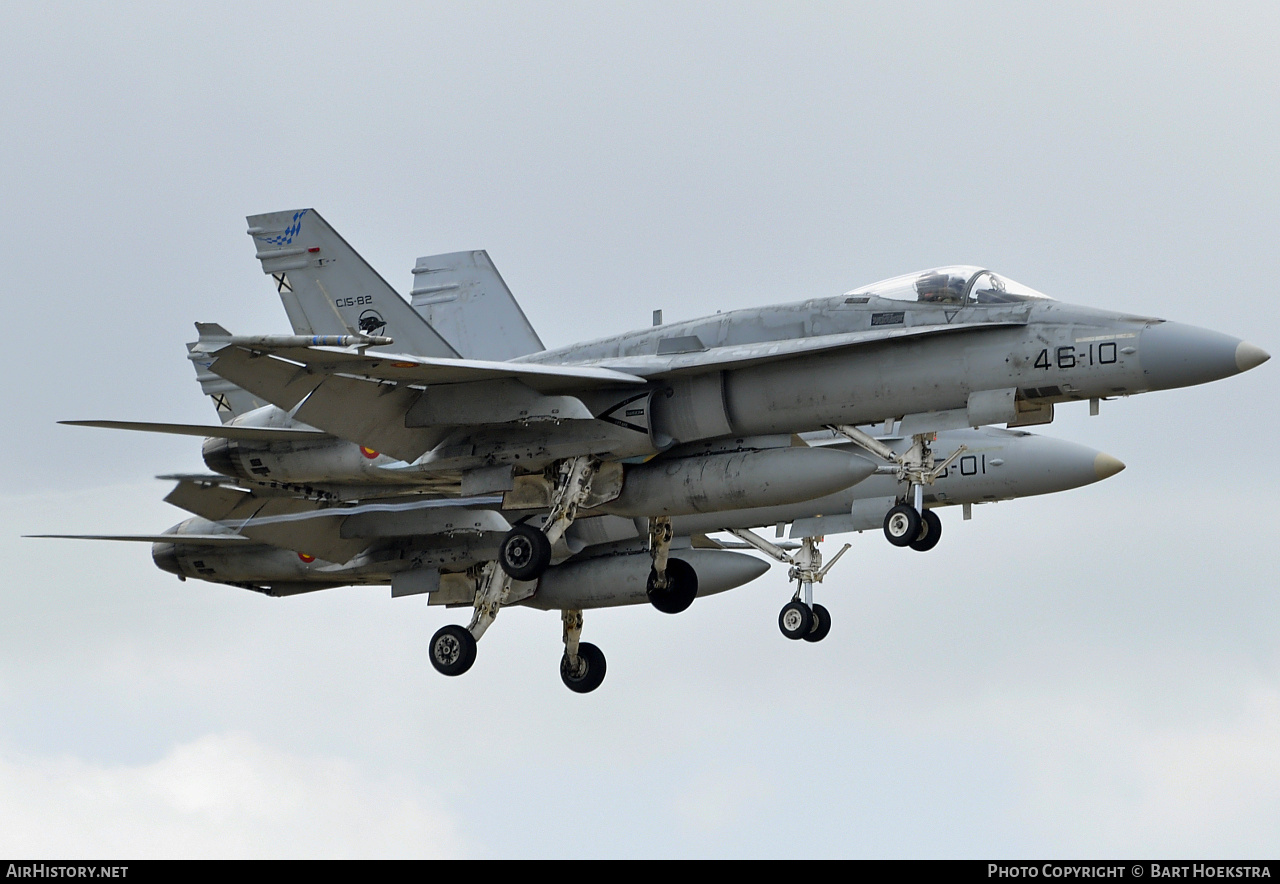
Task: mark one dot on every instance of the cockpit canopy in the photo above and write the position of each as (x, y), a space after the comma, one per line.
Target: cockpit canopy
(958, 284)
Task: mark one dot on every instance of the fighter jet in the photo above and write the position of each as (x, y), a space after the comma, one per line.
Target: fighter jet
(279, 544)
(663, 422)
(939, 349)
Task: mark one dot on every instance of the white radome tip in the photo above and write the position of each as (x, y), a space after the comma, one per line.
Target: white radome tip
(1106, 466)
(1248, 356)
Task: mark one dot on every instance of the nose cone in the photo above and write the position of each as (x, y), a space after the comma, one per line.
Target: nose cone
(1177, 355)
(1105, 466)
(1248, 356)
(1044, 465)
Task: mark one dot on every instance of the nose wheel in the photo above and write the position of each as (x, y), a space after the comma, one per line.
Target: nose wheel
(796, 620)
(821, 625)
(800, 621)
(902, 525)
(930, 532)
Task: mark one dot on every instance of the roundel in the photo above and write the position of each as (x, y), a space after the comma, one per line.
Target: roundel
(368, 452)
(306, 558)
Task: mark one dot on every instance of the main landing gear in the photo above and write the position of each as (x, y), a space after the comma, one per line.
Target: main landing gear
(800, 618)
(908, 523)
(582, 667)
(453, 647)
(672, 584)
(525, 552)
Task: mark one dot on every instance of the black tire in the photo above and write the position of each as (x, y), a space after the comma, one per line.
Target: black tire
(902, 525)
(821, 625)
(930, 532)
(453, 650)
(680, 591)
(524, 553)
(796, 620)
(590, 670)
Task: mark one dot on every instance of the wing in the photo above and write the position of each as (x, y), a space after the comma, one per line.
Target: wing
(380, 401)
(335, 533)
(192, 539)
(243, 434)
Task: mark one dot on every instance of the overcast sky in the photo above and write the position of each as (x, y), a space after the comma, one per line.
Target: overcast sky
(1091, 674)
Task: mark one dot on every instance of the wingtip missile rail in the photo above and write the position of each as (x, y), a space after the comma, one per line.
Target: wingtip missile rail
(274, 342)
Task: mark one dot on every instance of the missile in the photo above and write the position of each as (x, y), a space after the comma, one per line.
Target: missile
(280, 342)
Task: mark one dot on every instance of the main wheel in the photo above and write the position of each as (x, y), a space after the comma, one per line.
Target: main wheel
(902, 525)
(524, 553)
(587, 675)
(821, 625)
(453, 650)
(680, 591)
(930, 532)
(796, 620)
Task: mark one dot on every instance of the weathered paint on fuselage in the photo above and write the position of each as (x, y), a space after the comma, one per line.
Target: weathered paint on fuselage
(1061, 353)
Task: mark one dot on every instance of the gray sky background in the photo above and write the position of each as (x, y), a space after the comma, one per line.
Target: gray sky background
(1091, 674)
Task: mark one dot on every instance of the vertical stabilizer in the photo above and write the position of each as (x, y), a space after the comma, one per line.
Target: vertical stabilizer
(228, 399)
(327, 288)
(463, 297)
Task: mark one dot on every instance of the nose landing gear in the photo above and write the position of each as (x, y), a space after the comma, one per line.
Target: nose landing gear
(800, 618)
(908, 523)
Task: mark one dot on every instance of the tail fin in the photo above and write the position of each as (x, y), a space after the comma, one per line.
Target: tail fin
(327, 288)
(463, 297)
(228, 399)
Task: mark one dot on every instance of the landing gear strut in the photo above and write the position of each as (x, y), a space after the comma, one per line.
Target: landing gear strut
(525, 552)
(673, 584)
(453, 647)
(582, 667)
(800, 618)
(908, 523)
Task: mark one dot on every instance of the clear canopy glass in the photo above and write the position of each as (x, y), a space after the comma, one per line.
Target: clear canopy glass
(958, 284)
